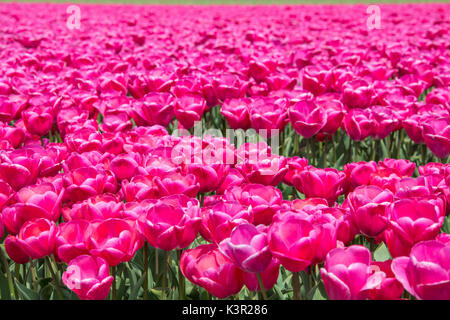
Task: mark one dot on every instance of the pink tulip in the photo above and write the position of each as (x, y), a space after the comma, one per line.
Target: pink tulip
(411, 221)
(436, 134)
(207, 267)
(359, 173)
(219, 219)
(71, 239)
(269, 277)
(233, 178)
(37, 201)
(248, 248)
(389, 288)
(236, 112)
(307, 118)
(424, 273)
(293, 240)
(88, 277)
(402, 167)
(19, 168)
(189, 109)
(38, 120)
(171, 222)
(264, 200)
(320, 183)
(99, 207)
(115, 240)
(357, 124)
(36, 240)
(154, 108)
(268, 114)
(348, 273)
(368, 206)
(86, 182)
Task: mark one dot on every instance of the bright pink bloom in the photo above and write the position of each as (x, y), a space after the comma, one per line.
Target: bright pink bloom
(368, 206)
(115, 240)
(171, 222)
(436, 134)
(236, 112)
(348, 273)
(207, 267)
(221, 218)
(248, 248)
(424, 273)
(411, 221)
(71, 239)
(36, 240)
(88, 277)
(99, 207)
(320, 183)
(37, 201)
(307, 118)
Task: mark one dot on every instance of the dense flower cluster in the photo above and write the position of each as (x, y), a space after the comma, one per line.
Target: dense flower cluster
(90, 169)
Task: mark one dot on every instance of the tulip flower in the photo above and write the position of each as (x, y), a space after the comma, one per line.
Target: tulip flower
(426, 283)
(411, 221)
(247, 247)
(348, 273)
(115, 240)
(88, 277)
(71, 239)
(368, 206)
(171, 222)
(307, 118)
(207, 267)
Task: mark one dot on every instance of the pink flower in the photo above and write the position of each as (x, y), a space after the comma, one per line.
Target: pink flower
(88, 277)
(268, 114)
(348, 273)
(86, 182)
(154, 108)
(37, 201)
(357, 124)
(100, 207)
(368, 206)
(411, 221)
(221, 218)
(189, 109)
(176, 183)
(126, 166)
(115, 240)
(19, 168)
(264, 200)
(359, 173)
(389, 288)
(293, 240)
(248, 248)
(424, 273)
(402, 167)
(436, 134)
(36, 240)
(71, 239)
(269, 277)
(236, 112)
(307, 118)
(171, 222)
(38, 120)
(320, 183)
(207, 267)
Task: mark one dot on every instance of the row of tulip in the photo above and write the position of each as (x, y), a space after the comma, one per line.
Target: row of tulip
(100, 194)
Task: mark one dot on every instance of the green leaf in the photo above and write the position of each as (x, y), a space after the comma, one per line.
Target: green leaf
(4, 287)
(26, 293)
(135, 290)
(382, 253)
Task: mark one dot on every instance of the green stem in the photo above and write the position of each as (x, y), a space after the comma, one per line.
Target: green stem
(181, 288)
(114, 289)
(424, 154)
(55, 278)
(261, 286)
(156, 263)
(8, 274)
(324, 152)
(145, 270)
(33, 275)
(296, 286)
(163, 289)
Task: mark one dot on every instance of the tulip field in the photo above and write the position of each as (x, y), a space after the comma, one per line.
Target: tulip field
(281, 152)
